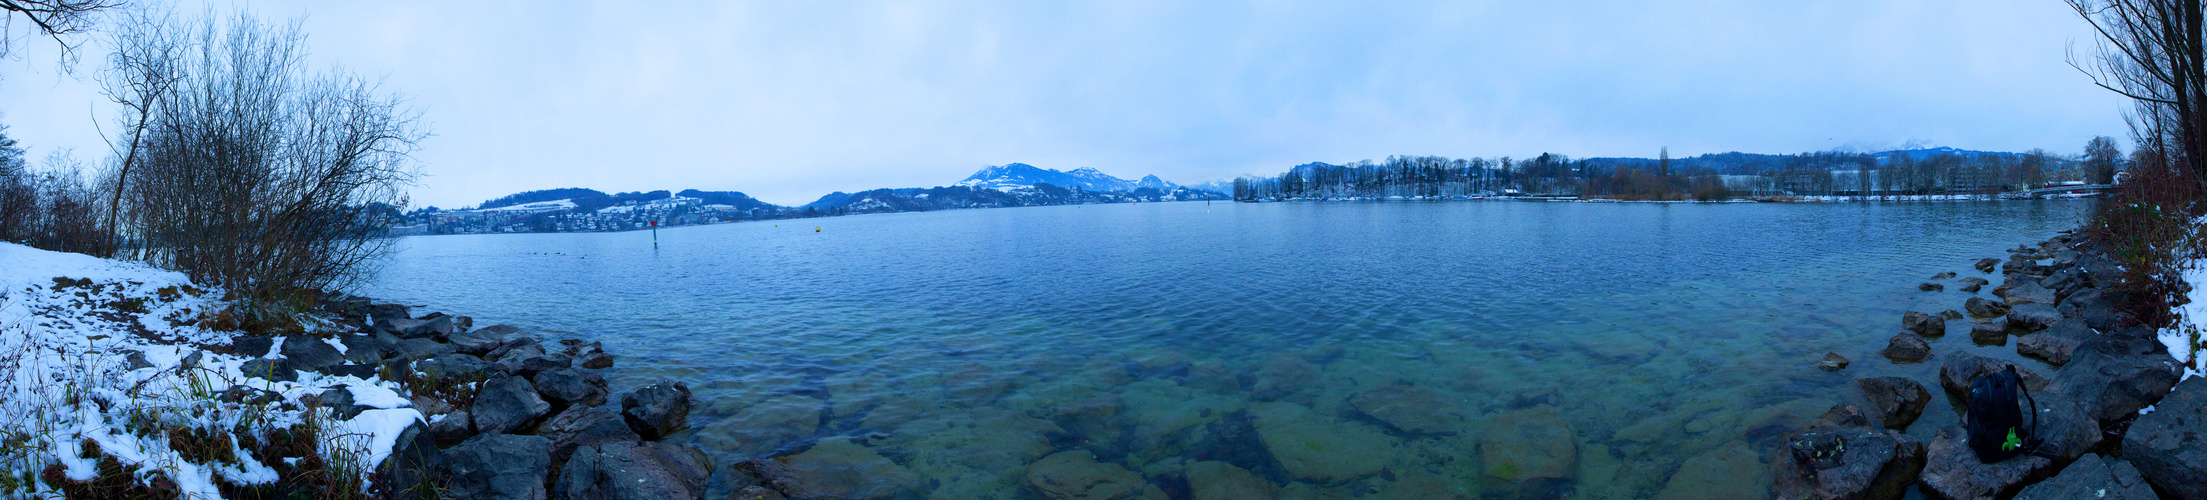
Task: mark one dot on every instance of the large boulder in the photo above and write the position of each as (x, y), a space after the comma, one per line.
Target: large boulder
(634, 471)
(2054, 344)
(379, 311)
(2116, 374)
(481, 341)
(1076, 474)
(1962, 368)
(507, 404)
(417, 349)
(1411, 409)
(278, 370)
(1284, 375)
(432, 328)
(1906, 348)
(310, 353)
(2033, 316)
(2092, 477)
(1532, 444)
(2168, 445)
(1923, 324)
(1980, 307)
(657, 410)
(528, 359)
(1952, 471)
(1828, 462)
(1898, 401)
(766, 426)
(1730, 472)
(499, 466)
(581, 426)
(454, 428)
(362, 349)
(835, 468)
(1990, 332)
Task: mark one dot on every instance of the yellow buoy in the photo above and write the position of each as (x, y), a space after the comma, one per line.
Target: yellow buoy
(816, 229)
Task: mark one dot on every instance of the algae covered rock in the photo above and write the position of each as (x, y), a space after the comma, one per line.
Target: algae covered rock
(834, 469)
(1730, 472)
(1530, 444)
(1411, 409)
(1224, 481)
(1823, 462)
(1076, 474)
(1319, 449)
(763, 427)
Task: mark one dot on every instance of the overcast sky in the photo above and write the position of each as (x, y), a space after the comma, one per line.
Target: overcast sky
(791, 100)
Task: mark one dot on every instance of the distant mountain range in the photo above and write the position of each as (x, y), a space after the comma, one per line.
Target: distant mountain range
(1011, 185)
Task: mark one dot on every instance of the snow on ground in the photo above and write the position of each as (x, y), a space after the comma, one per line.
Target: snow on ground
(2191, 321)
(541, 206)
(109, 353)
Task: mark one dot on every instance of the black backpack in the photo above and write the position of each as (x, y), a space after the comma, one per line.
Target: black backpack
(1995, 418)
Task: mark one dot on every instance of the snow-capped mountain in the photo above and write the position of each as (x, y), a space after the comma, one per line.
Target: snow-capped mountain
(1021, 175)
(1151, 181)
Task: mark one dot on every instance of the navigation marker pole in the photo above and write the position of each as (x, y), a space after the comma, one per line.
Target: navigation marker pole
(655, 234)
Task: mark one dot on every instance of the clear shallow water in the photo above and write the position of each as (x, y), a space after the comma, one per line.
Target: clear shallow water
(1355, 349)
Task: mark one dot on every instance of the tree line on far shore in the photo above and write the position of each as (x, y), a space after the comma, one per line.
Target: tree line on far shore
(232, 159)
(1706, 177)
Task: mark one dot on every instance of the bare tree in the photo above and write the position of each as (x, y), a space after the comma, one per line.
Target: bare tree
(256, 175)
(145, 67)
(53, 18)
(2152, 51)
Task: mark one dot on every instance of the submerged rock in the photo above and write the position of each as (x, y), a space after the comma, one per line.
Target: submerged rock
(1077, 475)
(1319, 449)
(1941, 276)
(1224, 481)
(1898, 401)
(1906, 348)
(766, 426)
(1283, 375)
(1730, 472)
(834, 469)
(1411, 409)
(1951, 315)
(2092, 477)
(1931, 287)
(1530, 444)
(2168, 445)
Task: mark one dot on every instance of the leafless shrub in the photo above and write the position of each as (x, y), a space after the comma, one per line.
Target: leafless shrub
(251, 173)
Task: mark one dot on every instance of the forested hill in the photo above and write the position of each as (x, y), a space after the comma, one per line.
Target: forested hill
(1738, 163)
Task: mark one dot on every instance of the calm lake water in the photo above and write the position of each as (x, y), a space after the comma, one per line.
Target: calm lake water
(1332, 349)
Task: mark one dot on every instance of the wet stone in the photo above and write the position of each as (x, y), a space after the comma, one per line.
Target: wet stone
(1923, 324)
(1730, 472)
(1832, 362)
(1844, 462)
(2033, 316)
(657, 410)
(1077, 475)
(1319, 449)
(1980, 307)
(1906, 348)
(1224, 481)
(634, 471)
(1528, 445)
(1990, 332)
(835, 468)
(766, 426)
(1898, 401)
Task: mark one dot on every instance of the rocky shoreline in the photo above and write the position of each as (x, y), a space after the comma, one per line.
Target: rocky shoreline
(510, 414)
(2112, 427)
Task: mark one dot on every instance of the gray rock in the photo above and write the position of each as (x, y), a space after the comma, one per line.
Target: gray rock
(2168, 446)
(1833, 362)
(585, 426)
(1077, 475)
(1961, 368)
(1898, 401)
(1528, 446)
(1952, 471)
(249, 395)
(252, 344)
(530, 358)
(657, 410)
(1951, 315)
(2065, 282)
(380, 311)
(2092, 477)
(310, 353)
(408, 471)
(1990, 332)
(1980, 307)
(271, 369)
(452, 367)
(136, 360)
(838, 468)
(1906, 348)
(507, 404)
(1931, 287)
(1923, 324)
(1941, 276)
(2028, 292)
(362, 372)
(634, 471)
(1283, 376)
(1986, 265)
(432, 328)
(418, 349)
(362, 349)
(1823, 462)
(565, 386)
(452, 429)
(596, 360)
(2114, 375)
(481, 341)
(2033, 317)
(497, 466)
(2054, 344)
(1411, 409)
(1972, 284)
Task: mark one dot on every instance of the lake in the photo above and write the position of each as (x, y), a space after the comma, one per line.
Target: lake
(1321, 349)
